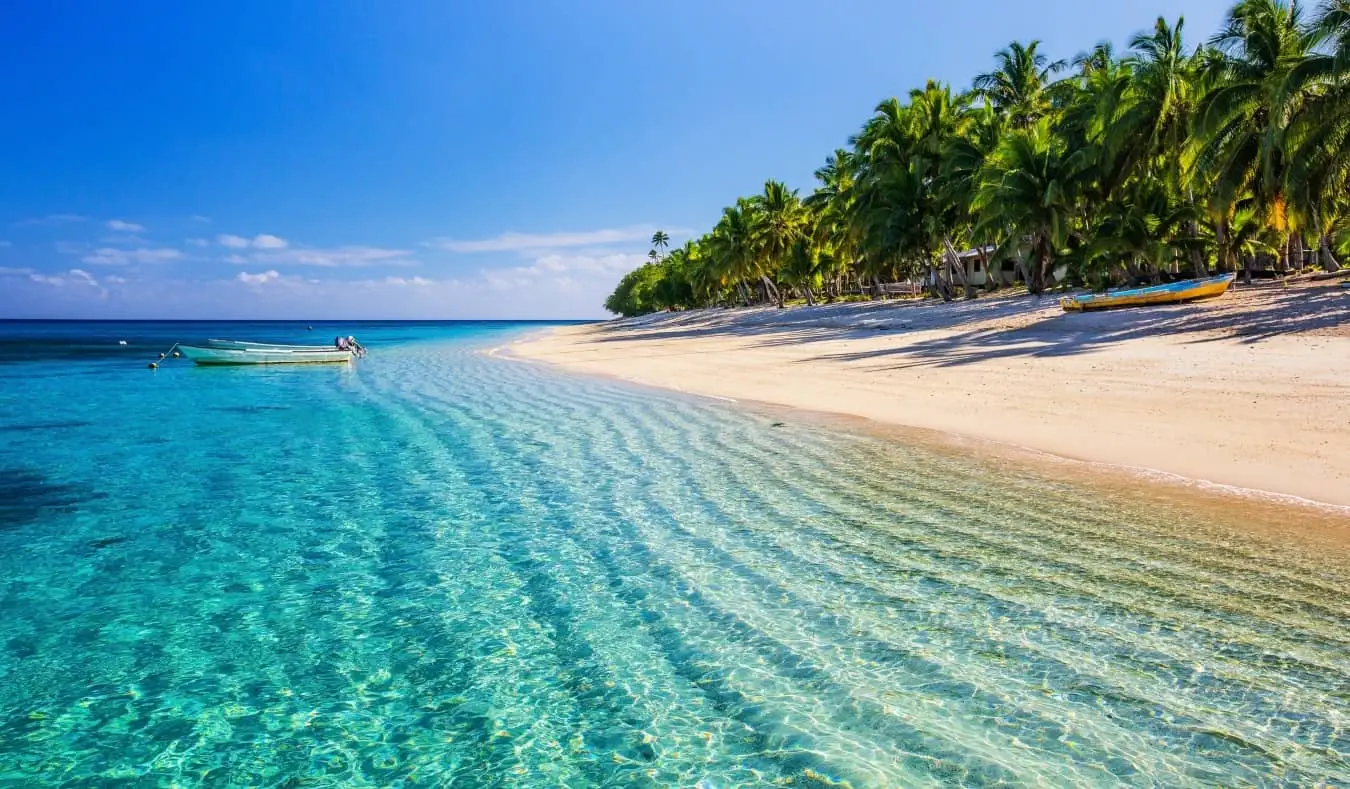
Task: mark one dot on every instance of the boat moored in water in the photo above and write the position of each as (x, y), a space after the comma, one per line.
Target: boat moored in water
(1170, 293)
(243, 345)
(265, 355)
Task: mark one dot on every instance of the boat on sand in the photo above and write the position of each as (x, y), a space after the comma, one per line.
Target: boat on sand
(1170, 293)
(265, 355)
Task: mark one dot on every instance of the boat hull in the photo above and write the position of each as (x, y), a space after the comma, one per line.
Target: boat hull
(242, 345)
(249, 356)
(1171, 293)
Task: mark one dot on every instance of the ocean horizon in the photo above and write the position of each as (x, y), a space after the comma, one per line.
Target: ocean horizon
(441, 565)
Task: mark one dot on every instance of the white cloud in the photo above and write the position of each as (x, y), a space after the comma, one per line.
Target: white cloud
(107, 256)
(303, 297)
(10, 271)
(268, 241)
(601, 264)
(198, 242)
(348, 256)
(316, 282)
(77, 277)
(260, 241)
(50, 219)
(233, 242)
(205, 220)
(563, 269)
(522, 242)
(124, 227)
(258, 279)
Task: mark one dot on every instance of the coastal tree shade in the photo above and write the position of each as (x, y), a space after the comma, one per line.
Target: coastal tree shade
(1172, 159)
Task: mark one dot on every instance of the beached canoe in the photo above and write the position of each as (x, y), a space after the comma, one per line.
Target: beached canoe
(227, 356)
(1171, 293)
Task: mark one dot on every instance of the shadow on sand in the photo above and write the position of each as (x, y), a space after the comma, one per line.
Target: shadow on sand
(1002, 327)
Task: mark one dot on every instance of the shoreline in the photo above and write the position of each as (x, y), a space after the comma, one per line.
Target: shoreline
(1303, 519)
(919, 366)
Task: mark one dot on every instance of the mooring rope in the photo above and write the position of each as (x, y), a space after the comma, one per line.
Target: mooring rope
(171, 352)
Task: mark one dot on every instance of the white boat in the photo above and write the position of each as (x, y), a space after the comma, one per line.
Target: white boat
(266, 355)
(242, 345)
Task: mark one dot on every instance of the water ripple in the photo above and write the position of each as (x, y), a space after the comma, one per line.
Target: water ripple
(442, 567)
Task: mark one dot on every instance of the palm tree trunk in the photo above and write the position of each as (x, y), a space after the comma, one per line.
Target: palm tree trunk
(1042, 255)
(958, 264)
(1328, 259)
(1225, 261)
(1296, 251)
(1322, 252)
(806, 290)
(1199, 268)
(1132, 272)
(989, 283)
(770, 288)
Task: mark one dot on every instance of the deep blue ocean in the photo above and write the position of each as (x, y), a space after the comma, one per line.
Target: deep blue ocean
(443, 567)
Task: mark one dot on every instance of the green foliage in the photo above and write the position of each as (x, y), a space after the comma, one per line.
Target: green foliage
(1167, 160)
(653, 288)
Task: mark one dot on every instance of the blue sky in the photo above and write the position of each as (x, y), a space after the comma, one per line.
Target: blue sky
(266, 158)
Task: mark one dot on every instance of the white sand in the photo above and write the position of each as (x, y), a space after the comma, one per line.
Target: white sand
(1251, 390)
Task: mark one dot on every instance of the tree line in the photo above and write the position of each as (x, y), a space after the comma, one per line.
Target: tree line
(1167, 160)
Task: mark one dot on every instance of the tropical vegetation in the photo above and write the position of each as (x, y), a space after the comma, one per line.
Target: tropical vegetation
(1168, 160)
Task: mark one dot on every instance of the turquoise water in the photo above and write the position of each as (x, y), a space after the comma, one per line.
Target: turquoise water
(444, 568)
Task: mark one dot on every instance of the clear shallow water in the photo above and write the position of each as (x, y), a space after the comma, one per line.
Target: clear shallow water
(439, 567)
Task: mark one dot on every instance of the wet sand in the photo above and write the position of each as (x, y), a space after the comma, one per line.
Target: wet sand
(1250, 391)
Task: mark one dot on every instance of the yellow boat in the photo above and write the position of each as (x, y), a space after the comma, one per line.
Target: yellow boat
(1171, 293)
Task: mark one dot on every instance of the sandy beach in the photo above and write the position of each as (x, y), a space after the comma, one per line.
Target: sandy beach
(1251, 390)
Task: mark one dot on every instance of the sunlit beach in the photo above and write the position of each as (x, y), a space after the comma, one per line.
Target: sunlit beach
(719, 395)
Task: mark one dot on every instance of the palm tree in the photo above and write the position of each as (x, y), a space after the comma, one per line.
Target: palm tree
(801, 268)
(1026, 197)
(962, 164)
(1159, 108)
(732, 248)
(706, 279)
(1244, 115)
(890, 218)
(1319, 133)
(660, 242)
(1169, 158)
(939, 119)
(1102, 56)
(1017, 87)
(1150, 132)
(886, 207)
(828, 208)
(779, 223)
